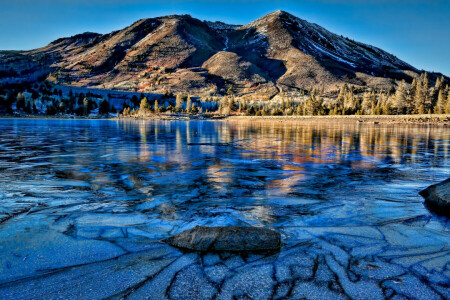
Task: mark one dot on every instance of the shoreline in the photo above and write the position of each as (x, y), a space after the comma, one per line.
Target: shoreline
(368, 119)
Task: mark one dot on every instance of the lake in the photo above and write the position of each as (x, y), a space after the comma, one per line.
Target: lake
(85, 203)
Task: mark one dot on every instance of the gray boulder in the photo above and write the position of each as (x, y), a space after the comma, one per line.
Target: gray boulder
(233, 238)
(437, 197)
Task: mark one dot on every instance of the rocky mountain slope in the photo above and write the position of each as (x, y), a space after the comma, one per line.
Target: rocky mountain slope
(276, 53)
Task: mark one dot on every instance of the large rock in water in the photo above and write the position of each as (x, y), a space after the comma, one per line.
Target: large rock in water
(437, 197)
(233, 238)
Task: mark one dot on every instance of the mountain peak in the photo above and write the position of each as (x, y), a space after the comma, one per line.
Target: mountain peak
(279, 51)
(279, 15)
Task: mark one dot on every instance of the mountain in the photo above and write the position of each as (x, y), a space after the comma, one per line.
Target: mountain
(276, 53)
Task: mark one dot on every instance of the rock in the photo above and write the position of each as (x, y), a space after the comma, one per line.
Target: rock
(437, 197)
(233, 238)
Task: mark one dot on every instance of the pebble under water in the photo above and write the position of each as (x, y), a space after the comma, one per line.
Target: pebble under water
(85, 203)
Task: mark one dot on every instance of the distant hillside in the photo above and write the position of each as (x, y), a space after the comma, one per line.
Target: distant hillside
(276, 53)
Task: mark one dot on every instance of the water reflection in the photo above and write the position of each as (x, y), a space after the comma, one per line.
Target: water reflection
(102, 189)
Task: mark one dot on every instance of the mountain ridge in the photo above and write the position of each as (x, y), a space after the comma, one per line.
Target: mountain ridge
(276, 53)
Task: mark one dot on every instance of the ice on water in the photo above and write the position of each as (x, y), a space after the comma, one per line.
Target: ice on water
(84, 205)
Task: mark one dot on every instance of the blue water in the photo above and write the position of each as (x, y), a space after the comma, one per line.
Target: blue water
(84, 205)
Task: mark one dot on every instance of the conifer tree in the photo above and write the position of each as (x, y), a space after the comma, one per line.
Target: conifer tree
(419, 96)
(156, 107)
(189, 104)
(20, 104)
(231, 104)
(144, 107)
(366, 103)
(440, 104)
(427, 101)
(104, 107)
(179, 102)
(400, 98)
(447, 105)
(223, 108)
(86, 108)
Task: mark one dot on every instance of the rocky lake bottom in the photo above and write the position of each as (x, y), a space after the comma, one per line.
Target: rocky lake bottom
(84, 205)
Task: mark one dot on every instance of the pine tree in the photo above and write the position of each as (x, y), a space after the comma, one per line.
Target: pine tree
(419, 96)
(179, 102)
(366, 104)
(447, 105)
(27, 108)
(421, 109)
(427, 101)
(156, 107)
(20, 104)
(86, 108)
(62, 107)
(440, 104)
(299, 110)
(387, 108)
(232, 104)
(400, 98)
(224, 108)
(104, 107)
(349, 102)
(144, 107)
(189, 104)
(35, 110)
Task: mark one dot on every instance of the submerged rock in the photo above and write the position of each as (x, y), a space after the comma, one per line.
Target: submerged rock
(233, 238)
(437, 197)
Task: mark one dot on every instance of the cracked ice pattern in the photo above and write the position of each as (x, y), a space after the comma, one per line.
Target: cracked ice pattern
(83, 205)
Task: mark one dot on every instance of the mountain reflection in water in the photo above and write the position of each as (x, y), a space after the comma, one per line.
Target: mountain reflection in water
(76, 194)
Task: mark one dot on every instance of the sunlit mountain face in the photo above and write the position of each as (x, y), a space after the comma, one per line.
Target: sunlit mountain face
(274, 54)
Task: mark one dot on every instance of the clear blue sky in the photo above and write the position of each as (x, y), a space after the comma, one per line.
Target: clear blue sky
(413, 30)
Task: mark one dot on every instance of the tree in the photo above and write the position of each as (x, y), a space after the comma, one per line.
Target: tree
(440, 104)
(230, 90)
(179, 102)
(419, 95)
(427, 99)
(135, 101)
(51, 110)
(156, 109)
(232, 104)
(20, 101)
(5, 105)
(189, 104)
(194, 108)
(367, 103)
(224, 109)
(387, 108)
(104, 107)
(400, 98)
(447, 105)
(340, 99)
(62, 107)
(144, 107)
(86, 106)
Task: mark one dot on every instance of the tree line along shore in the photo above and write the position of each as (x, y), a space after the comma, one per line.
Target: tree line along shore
(45, 99)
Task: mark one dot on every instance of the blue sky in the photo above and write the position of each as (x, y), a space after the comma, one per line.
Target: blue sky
(413, 30)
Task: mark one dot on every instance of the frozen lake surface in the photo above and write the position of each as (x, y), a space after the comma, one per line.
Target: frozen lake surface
(84, 204)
